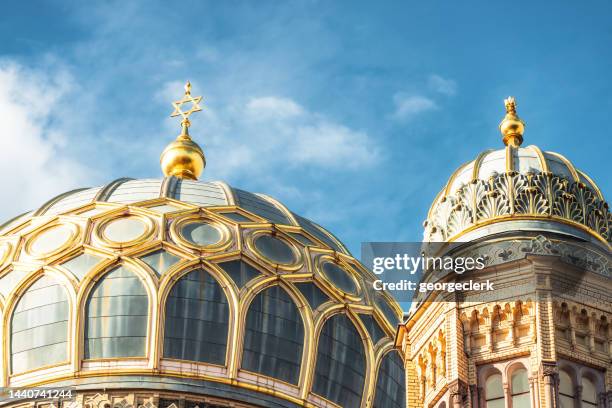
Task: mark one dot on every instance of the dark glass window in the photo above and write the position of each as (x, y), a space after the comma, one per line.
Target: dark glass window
(117, 316)
(197, 316)
(234, 216)
(339, 277)
(374, 329)
(160, 261)
(312, 293)
(302, 238)
(274, 336)
(275, 249)
(391, 385)
(386, 309)
(341, 363)
(240, 272)
(39, 328)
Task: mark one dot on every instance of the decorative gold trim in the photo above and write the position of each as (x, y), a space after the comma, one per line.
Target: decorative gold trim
(541, 158)
(150, 228)
(510, 158)
(568, 164)
(280, 206)
(5, 251)
(592, 183)
(322, 260)
(513, 217)
(74, 231)
(478, 163)
(298, 256)
(177, 236)
(451, 180)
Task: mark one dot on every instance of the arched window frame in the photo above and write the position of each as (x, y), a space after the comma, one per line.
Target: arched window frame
(12, 301)
(248, 294)
(510, 372)
(367, 344)
(595, 380)
(384, 351)
(86, 287)
(571, 373)
(506, 369)
(487, 398)
(166, 284)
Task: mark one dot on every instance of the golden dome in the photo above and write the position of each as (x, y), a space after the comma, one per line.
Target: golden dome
(184, 158)
(518, 189)
(511, 126)
(192, 278)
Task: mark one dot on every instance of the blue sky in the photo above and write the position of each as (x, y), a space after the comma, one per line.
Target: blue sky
(352, 113)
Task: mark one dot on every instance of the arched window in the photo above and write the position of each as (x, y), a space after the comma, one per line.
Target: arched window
(341, 363)
(494, 391)
(391, 383)
(274, 336)
(519, 386)
(197, 318)
(117, 316)
(566, 390)
(39, 327)
(589, 393)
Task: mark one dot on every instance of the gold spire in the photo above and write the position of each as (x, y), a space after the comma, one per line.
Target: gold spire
(183, 158)
(512, 127)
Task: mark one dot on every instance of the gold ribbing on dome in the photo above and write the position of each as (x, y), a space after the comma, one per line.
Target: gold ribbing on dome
(512, 127)
(184, 158)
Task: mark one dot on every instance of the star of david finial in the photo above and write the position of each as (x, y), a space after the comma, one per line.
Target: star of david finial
(187, 100)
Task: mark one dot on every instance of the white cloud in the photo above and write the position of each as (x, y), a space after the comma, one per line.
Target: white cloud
(32, 163)
(409, 106)
(265, 135)
(442, 85)
(270, 107)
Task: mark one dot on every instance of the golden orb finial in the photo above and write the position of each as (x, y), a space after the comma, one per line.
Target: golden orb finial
(184, 158)
(511, 126)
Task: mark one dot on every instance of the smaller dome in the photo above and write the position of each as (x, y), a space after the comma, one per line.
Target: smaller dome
(518, 189)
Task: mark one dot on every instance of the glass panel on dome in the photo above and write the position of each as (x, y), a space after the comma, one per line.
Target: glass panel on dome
(274, 336)
(197, 315)
(117, 316)
(164, 208)
(10, 280)
(374, 329)
(235, 216)
(341, 364)
(240, 272)
(275, 249)
(302, 238)
(39, 327)
(82, 264)
(391, 383)
(339, 277)
(160, 261)
(14, 222)
(201, 233)
(51, 240)
(312, 293)
(125, 229)
(386, 310)
(92, 212)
